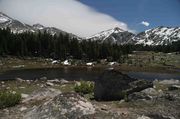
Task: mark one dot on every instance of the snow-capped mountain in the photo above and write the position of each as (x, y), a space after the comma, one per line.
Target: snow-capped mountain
(115, 35)
(19, 27)
(50, 30)
(158, 36)
(14, 25)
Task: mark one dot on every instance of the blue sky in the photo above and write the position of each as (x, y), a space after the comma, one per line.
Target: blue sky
(133, 12)
(88, 17)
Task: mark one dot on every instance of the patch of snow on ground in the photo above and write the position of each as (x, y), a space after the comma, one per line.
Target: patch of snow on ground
(66, 62)
(55, 62)
(112, 63)
(90, 64)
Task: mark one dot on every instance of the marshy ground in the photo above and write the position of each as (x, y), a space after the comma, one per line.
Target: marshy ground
(137, 61)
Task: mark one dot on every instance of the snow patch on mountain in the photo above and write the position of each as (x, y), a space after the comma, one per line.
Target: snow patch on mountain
(105, 34)
(4, 18)
(113, 36)
(38, 26)
(158, 36)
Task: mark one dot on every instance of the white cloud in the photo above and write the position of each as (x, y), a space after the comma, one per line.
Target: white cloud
(68, 15)
(145, 23)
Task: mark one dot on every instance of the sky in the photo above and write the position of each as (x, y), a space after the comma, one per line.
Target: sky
(88, 17)
(140, 15)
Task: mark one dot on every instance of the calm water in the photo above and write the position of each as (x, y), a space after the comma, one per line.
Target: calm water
(77, 74)
(153, 76)
(60, 73)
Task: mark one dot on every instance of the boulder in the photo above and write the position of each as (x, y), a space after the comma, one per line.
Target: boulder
(63, 106)
(49, 84)
(139, 96)
(114, 85)
(63, 81)
(147, 94)
(174, 87)
(19, 79)
(169, 82)
(43, 78)
(158, 116)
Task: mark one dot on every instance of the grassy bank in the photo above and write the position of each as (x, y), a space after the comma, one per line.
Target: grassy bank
(138, 62)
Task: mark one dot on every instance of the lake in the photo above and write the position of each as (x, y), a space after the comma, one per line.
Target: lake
(77, 74)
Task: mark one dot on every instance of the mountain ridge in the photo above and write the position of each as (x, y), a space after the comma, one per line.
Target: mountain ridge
(115, 35)
(19, 27)
(161, 35)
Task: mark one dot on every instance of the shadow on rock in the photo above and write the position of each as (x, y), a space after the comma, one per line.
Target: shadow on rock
(114, 85)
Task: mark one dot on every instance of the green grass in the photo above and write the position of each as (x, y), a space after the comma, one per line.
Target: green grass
(21, 87)
(65, 88)
(9, 99)
(85, 87)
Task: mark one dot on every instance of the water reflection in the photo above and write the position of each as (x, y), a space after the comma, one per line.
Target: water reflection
(76, 74)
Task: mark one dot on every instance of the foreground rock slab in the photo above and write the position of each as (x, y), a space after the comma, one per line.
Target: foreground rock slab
(63, 106)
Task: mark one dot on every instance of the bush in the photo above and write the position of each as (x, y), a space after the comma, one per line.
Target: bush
(85, 87)
(9, 99)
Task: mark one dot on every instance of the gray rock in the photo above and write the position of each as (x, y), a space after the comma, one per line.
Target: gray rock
(63, 106)
(139, 96)
(49, 84)
(143, 117)
(174, 87)
(63, 81)
(158, 116)
(150, 91)
(169, 82)
(147, 94)
(19, 79)
(43, 78)
(43, 94)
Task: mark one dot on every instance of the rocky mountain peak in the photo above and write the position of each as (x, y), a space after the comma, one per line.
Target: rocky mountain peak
(115, 35)
(38, 26)
(117, 29)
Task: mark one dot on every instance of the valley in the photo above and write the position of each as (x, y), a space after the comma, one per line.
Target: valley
(137, 61)
(48, 73)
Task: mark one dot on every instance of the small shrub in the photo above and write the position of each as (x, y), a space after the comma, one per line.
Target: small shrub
(9, 99)
(126, 99)
(84, 87)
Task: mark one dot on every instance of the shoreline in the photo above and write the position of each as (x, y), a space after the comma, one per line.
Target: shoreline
(121, 68)
(15, 63)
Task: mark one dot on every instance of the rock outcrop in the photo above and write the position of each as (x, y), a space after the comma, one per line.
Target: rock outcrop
(63, 106)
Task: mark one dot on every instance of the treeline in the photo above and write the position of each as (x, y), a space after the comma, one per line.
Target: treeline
(57, 47)
(174, 47)
(64, 47)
